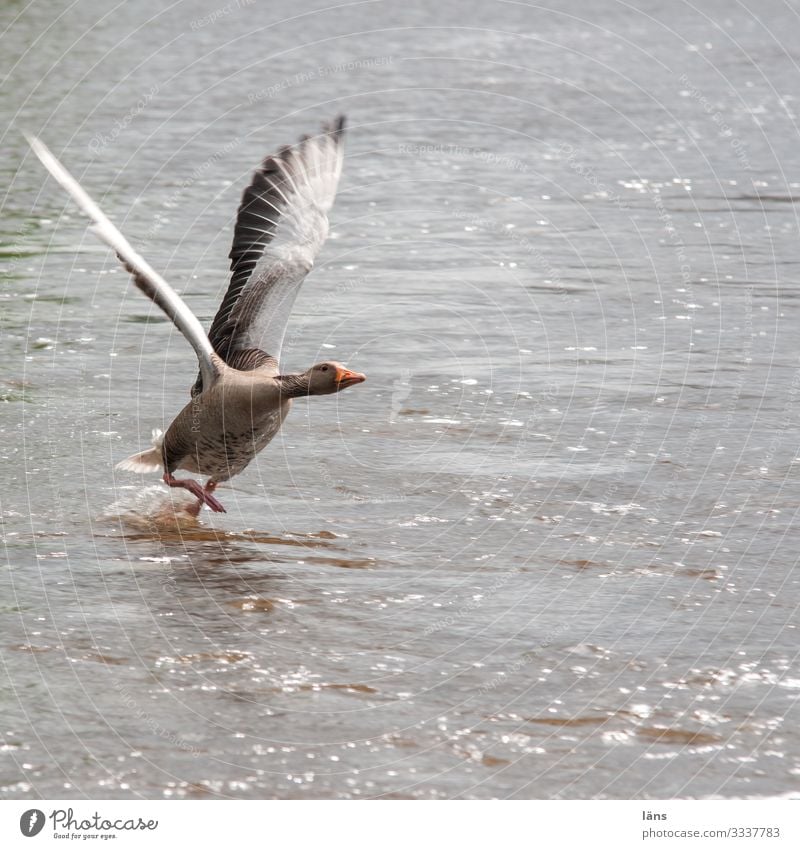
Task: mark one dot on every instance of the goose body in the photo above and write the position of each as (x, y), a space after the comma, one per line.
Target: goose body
(240, 398)
(233, 422)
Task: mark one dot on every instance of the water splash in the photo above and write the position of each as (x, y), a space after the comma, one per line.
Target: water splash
(154, 508)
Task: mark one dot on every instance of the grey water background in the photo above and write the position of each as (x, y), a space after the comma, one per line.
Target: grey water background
(549, 549)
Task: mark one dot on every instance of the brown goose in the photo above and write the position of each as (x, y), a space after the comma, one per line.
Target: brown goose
(240, 398)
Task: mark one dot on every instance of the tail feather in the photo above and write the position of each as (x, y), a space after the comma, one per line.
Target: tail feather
(146, 461)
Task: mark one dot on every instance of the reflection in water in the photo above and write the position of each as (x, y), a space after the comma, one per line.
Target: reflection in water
(158, 514)
(156, 510)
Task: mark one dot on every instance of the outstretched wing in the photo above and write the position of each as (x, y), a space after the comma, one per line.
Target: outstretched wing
(148, 280)
(280, 227)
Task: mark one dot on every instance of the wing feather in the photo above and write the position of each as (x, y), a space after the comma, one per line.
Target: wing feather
(145, 277)
(281, 225)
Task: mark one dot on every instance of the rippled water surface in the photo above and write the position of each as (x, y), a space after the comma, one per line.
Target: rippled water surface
(549, 548)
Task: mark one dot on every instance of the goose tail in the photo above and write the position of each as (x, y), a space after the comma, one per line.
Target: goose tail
(146, 461)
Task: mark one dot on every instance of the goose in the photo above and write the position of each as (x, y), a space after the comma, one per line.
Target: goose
(240, 398)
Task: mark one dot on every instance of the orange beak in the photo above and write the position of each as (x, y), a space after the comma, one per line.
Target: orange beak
(345, 378)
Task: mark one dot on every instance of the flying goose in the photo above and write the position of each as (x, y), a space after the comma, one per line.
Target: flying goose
(240, 398)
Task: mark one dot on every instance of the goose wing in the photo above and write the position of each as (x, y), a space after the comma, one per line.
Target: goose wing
(281, 225)
(145, 277)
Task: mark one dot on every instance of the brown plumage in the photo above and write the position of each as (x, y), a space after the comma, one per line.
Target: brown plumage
(240, 399)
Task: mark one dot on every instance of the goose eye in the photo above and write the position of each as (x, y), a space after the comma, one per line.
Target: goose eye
(324, 368)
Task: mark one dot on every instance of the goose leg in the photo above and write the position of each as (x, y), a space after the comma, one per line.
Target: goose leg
(203, 496)
(209, 488)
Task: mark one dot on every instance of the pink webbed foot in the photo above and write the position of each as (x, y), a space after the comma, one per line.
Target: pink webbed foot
(203, 496)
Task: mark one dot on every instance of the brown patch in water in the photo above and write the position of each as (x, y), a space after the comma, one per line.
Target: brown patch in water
(92, 656)
(195, 531)
(97, 657)
(344, 562)
(772, 198)
(165, 520)
(300, 540)
(198, 657)
(678, 736)
(583, 564)
(156, 514)
(704, 574)
(200, 791)
(491, 760)
(253, 605)
(31, 648)
(568, 722)
(348, 688)
(358, 688)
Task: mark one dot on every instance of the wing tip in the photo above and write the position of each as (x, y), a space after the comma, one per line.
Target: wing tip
(41, 150)
(337, 126)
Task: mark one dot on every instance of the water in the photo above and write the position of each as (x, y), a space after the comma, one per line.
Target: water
(549, 548)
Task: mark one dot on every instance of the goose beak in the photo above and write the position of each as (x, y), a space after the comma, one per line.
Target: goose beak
(345, 378)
